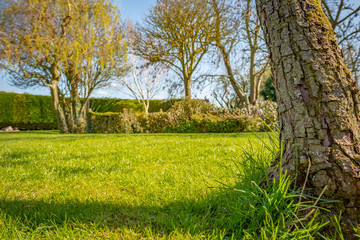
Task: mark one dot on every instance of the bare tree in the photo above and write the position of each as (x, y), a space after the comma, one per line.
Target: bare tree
(344, 18)
(176, 33)
(257, 60)
(237, 31)
(318, 103)
(144, 80)
(71, 47)
(227, 20)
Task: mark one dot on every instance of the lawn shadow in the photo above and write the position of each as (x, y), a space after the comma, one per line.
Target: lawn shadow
(195, 217)
(14, 159)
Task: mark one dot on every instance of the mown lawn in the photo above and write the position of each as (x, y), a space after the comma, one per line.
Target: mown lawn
(151, 186)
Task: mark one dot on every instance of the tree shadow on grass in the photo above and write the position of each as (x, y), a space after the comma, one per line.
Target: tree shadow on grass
(193, 217)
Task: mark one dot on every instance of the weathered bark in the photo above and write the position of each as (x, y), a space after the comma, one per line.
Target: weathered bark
(59, 111)
(318, 102)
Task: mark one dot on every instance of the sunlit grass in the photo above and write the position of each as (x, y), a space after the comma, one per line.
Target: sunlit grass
(116, 186)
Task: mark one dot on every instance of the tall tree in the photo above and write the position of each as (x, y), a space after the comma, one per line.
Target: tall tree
(257, 65)
(71, 47)
(344, 19)
(176, 33)
(227, 19)
(237, 30)
(318, 102)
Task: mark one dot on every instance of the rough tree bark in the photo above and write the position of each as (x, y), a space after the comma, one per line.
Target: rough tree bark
(59, 111)
(318, 102)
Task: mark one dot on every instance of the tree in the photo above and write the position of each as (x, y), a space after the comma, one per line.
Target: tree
(71, 47)
(344, 19)
(144, 80)
(237, 29)
(318, 103)
(227, 33)
(176, 33)
(257, 65)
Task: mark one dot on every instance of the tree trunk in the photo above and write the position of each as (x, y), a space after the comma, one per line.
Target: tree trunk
(253, 80)
(79, 116)
(318, 102)
(187, 82)
(225, 55)
(59, 112)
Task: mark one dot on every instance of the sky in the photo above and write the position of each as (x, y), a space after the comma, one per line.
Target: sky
(130, 9)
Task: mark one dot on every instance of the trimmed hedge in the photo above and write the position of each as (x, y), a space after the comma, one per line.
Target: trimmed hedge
(115, 105)
(118, 105)
(26, 111)
(167, 122)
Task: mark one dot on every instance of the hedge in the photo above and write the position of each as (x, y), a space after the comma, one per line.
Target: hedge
(118, 105)
(26, 111)
(167, 122)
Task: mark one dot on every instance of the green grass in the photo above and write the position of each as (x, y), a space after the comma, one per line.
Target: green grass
(116, 186)
(151, 186)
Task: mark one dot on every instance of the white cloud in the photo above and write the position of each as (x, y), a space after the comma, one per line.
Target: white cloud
(115, 85)
(101, 92)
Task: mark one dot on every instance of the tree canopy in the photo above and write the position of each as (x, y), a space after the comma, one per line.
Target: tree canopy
(70, 46)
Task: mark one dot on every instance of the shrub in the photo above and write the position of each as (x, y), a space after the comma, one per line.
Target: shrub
(268, 93)
(115, 105)
(185, 108)
(224, 124)
(6, 107)
(167, 122)
(265, 111)
(110, 122)
(159, 122)
(162, 105)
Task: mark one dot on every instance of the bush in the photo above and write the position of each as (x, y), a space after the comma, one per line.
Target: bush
(268, 93)
(6, 107)
(214, 124)
(185, 108)
(159, 122)
(125, 122)
(162, 105)
(115, 105)
(265, 111)
(167, 122)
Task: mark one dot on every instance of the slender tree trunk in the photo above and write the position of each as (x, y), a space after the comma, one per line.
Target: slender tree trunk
(225, 55)
(318, 102)
(252, 77)
(187, 82)
(59, 111)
